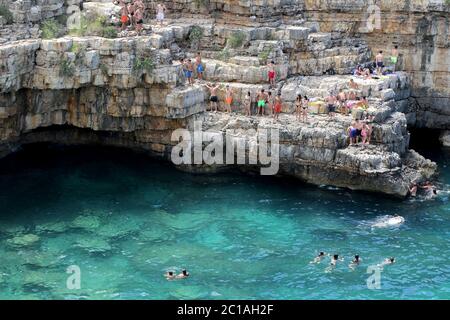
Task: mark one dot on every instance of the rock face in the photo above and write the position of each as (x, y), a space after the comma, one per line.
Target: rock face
(131, 91)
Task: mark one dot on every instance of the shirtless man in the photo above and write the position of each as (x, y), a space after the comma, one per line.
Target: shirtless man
(199, 65)
(160, 10)
(213, 100)
(331, 100)
(342, 98)
(394, 57)
(228, 98)
(319, 257)
(379, 62)
(262, 100)
(248, 104)
(189, 69)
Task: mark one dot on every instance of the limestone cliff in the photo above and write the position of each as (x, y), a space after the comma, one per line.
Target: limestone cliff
(130, 91)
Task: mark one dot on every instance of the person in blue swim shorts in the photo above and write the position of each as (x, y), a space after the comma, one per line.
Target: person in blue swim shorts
(200, 67)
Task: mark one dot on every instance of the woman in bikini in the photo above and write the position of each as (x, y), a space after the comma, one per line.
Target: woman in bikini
(298, 107)
(305, 109)
(248, 104)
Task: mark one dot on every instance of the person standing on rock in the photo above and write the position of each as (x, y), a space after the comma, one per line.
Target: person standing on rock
(270, 103)
(298, 107)
(331, 101)
(379, 63)
(351, 131)
(213, 100)
(262, 100)
(248, 104)
(139, 9)
(123, 14)
(130, 9)
(199, 66)
(160, 11)
(305, 106)
(271, 74)
(189, 70)
(394, 58)
(278, 106)
(228, 98)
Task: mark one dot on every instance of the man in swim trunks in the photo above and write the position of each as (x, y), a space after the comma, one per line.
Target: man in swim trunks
(394, 57)
(352, 84)
(331, 102)
(351, 131)
(199, 64)
(359, 128)
(130, 9)
(277, 106)
(160, 10)
(228, 98)
(213, 100)
(189, 69)
(262, 100)
(379, 62)
(271, 73)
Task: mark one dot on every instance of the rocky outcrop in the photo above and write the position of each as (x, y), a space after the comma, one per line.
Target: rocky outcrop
(130, 92)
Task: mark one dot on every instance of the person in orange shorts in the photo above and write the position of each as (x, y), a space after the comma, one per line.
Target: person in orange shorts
(228, 98)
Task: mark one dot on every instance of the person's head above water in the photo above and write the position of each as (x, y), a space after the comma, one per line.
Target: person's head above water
(170, 273)
(356, 257)
(184, 272)
(392, 259)
(335, 256)
(321, 253)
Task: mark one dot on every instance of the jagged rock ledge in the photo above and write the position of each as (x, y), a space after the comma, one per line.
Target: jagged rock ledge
(108, 102)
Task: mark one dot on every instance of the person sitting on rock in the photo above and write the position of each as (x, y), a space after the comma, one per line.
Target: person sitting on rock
(342, 99)
(213, 100)
(248, 104)
(271, 74)
(262, 100)
(278, 106)
(353, 85)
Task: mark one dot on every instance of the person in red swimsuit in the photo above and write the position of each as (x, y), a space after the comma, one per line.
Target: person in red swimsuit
(272, 73)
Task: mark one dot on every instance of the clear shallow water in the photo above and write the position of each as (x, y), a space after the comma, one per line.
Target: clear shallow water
(125, 220)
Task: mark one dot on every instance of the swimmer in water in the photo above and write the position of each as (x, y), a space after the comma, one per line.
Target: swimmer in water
(319, 257)
(413, 190)
(335, 259)
(355, 262)
(169, 275)
(184, 274)
(387, 261)
(430, 189)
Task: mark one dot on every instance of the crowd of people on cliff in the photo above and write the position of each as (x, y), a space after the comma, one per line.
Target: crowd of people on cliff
(132, 14)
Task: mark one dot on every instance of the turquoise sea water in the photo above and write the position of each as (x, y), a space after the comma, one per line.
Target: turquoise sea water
(125, 219)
